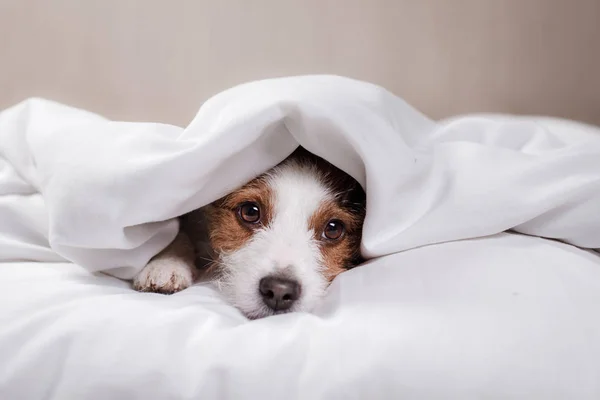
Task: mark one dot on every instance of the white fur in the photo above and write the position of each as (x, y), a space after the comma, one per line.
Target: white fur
(285, 246)
(170, 271)
(165, 275)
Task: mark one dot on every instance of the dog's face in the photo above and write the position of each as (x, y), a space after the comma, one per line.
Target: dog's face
(279, 240)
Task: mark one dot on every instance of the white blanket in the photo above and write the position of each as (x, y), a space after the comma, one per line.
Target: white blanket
(463, 311)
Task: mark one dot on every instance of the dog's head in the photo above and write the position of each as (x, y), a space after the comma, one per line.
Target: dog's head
(278, 241)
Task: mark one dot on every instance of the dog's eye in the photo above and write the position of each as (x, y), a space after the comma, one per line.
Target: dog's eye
(249, 212)
(334, 229)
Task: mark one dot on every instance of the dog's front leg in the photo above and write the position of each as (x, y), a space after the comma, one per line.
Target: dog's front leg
(170, 271)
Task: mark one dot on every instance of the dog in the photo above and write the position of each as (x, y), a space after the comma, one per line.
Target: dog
(272, 246)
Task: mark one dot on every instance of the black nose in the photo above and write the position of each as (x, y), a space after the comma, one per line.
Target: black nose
(279, 293)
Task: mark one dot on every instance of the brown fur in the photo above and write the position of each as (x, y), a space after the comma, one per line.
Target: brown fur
(226, 231)
(340, 254)
(349, 207)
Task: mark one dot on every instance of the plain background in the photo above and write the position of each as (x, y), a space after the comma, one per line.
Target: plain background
(158, 60)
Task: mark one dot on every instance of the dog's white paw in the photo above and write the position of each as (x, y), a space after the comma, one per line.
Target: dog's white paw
(164, 276)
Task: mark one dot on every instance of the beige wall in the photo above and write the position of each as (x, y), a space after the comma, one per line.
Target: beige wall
(159, 60)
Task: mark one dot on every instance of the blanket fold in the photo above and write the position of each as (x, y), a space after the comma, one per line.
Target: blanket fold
(109, 191)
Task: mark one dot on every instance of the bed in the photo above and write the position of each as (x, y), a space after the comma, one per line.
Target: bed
(482, 233)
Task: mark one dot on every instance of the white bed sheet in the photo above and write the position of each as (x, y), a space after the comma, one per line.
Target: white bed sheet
(485, 315)
(506, 317)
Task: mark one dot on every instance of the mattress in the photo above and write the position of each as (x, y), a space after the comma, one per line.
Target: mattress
(490, 292)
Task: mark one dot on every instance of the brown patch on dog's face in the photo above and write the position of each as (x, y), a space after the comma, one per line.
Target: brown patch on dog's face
(348, 207)
(227, 230)
(344, 252)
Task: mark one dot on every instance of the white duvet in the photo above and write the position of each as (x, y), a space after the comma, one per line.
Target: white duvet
(448, 307)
